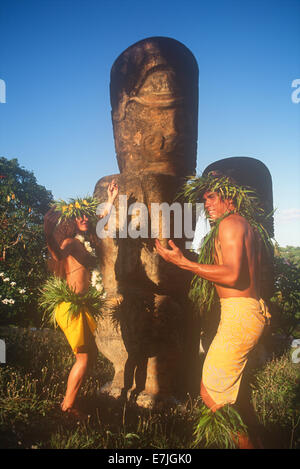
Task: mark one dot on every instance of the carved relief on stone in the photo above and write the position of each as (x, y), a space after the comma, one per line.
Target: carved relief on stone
(154, 96)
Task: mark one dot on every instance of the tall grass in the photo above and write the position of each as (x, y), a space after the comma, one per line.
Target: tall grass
(276, 398)
(33, 382)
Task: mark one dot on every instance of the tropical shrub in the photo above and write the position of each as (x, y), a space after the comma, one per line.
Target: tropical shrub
(286, 299)
(23, 203)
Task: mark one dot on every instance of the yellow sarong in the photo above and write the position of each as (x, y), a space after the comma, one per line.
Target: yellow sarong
(74, 327)
(241, 325)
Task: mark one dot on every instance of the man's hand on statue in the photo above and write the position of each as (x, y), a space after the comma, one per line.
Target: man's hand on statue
(173, 255)
(112, 191)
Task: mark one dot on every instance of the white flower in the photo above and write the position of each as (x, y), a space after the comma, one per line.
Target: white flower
(96, 275)
(7, 301)
(2, 274)
(13, 284)
(6, 279)
(22, 290)
(88, 246)
(96, 280)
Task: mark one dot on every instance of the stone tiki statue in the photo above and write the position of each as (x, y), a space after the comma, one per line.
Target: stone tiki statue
(144, 331)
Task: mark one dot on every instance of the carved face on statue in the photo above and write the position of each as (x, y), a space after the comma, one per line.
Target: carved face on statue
(154, 96)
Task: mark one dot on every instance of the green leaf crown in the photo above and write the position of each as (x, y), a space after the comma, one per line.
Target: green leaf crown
(76, 208)
(244, 198)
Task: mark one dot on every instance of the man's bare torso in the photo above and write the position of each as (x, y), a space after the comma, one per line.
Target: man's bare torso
(248, 282)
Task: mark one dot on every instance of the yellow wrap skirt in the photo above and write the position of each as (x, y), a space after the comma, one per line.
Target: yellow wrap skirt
(242, 323)
(75, 327)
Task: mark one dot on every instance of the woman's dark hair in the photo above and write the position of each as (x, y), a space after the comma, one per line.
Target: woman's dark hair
(67, 229)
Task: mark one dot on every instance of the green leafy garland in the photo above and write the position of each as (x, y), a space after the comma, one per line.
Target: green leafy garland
(56, 291)
(219, 429)
(246, 203)
(202, 291)
(76, 208)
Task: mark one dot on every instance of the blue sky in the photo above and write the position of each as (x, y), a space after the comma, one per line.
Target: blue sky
(55, 60)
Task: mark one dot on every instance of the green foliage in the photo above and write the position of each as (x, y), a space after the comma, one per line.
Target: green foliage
(244, 198)
(290, 253)
(12, 296)
(202, 292)
(219, 429)
(276, 394)
(23, 204)
(33, 382)
(286, 299)
(76, 208)
(56, 290)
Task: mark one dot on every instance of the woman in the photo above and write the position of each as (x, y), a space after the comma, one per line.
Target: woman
(70, 239)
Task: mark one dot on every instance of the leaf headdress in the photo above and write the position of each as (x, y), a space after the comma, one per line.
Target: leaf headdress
(246, 203)
(76, 208)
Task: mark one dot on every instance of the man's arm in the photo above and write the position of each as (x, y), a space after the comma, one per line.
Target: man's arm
(231, 238)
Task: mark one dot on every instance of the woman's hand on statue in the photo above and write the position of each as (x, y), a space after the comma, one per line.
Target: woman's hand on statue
(173, 255)
(112, 191)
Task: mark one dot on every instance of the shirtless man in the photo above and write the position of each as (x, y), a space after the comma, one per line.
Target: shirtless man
(235, 275)
(235, 246)
(74, 263)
